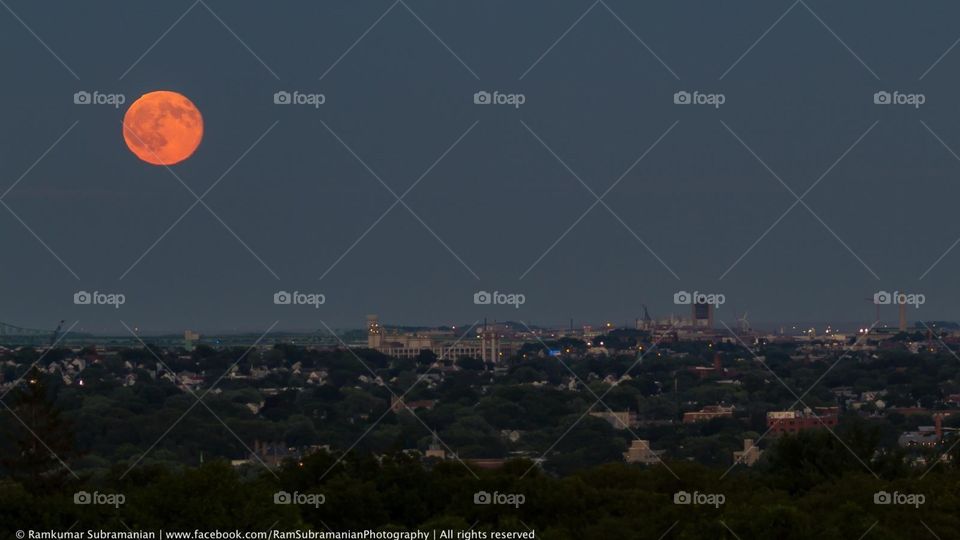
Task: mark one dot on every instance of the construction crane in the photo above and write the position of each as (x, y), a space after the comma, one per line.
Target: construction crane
(56, 334)
(743, 324)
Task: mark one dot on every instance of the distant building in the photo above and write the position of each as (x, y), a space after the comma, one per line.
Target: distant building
(749, 455)
(618, 419)
(779, 422)
(271, 453)
(374, 332)
(435, 450)
(924, 437)
(190, 338)
(640, 452)
(398, 404)
(443, 344)
(708, 413)
(701, 315)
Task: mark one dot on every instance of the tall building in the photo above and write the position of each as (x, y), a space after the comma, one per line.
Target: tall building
(749, 455)
(374, 333)
(490, 345)
(189, 339)
(702, 315)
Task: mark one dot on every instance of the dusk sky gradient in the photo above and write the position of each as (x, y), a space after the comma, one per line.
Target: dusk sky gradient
(799, 101)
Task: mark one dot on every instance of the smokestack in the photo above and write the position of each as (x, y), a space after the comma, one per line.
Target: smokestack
(903, 317)
(717, 364)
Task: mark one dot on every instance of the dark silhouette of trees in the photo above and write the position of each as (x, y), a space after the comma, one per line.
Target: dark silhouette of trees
(41, 442)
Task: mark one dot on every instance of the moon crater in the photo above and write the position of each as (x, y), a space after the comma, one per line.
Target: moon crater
(163, 128)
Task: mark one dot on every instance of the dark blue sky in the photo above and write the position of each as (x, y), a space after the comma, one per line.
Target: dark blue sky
(800, 99)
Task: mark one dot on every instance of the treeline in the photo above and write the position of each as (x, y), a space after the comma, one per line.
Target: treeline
(810, 486)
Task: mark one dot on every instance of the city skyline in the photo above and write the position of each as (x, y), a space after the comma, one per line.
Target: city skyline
(412, 269)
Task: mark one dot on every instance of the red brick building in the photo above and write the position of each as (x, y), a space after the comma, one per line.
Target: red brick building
(779, 422)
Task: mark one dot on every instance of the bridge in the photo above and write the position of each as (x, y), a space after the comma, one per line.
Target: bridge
(15, 335)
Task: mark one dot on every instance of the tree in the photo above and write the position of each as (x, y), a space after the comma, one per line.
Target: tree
(42, 441)
(426, 358)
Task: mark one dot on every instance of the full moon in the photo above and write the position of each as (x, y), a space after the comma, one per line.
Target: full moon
(163, 128)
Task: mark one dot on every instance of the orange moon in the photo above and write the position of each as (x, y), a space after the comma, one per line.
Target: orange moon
(163, 128)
